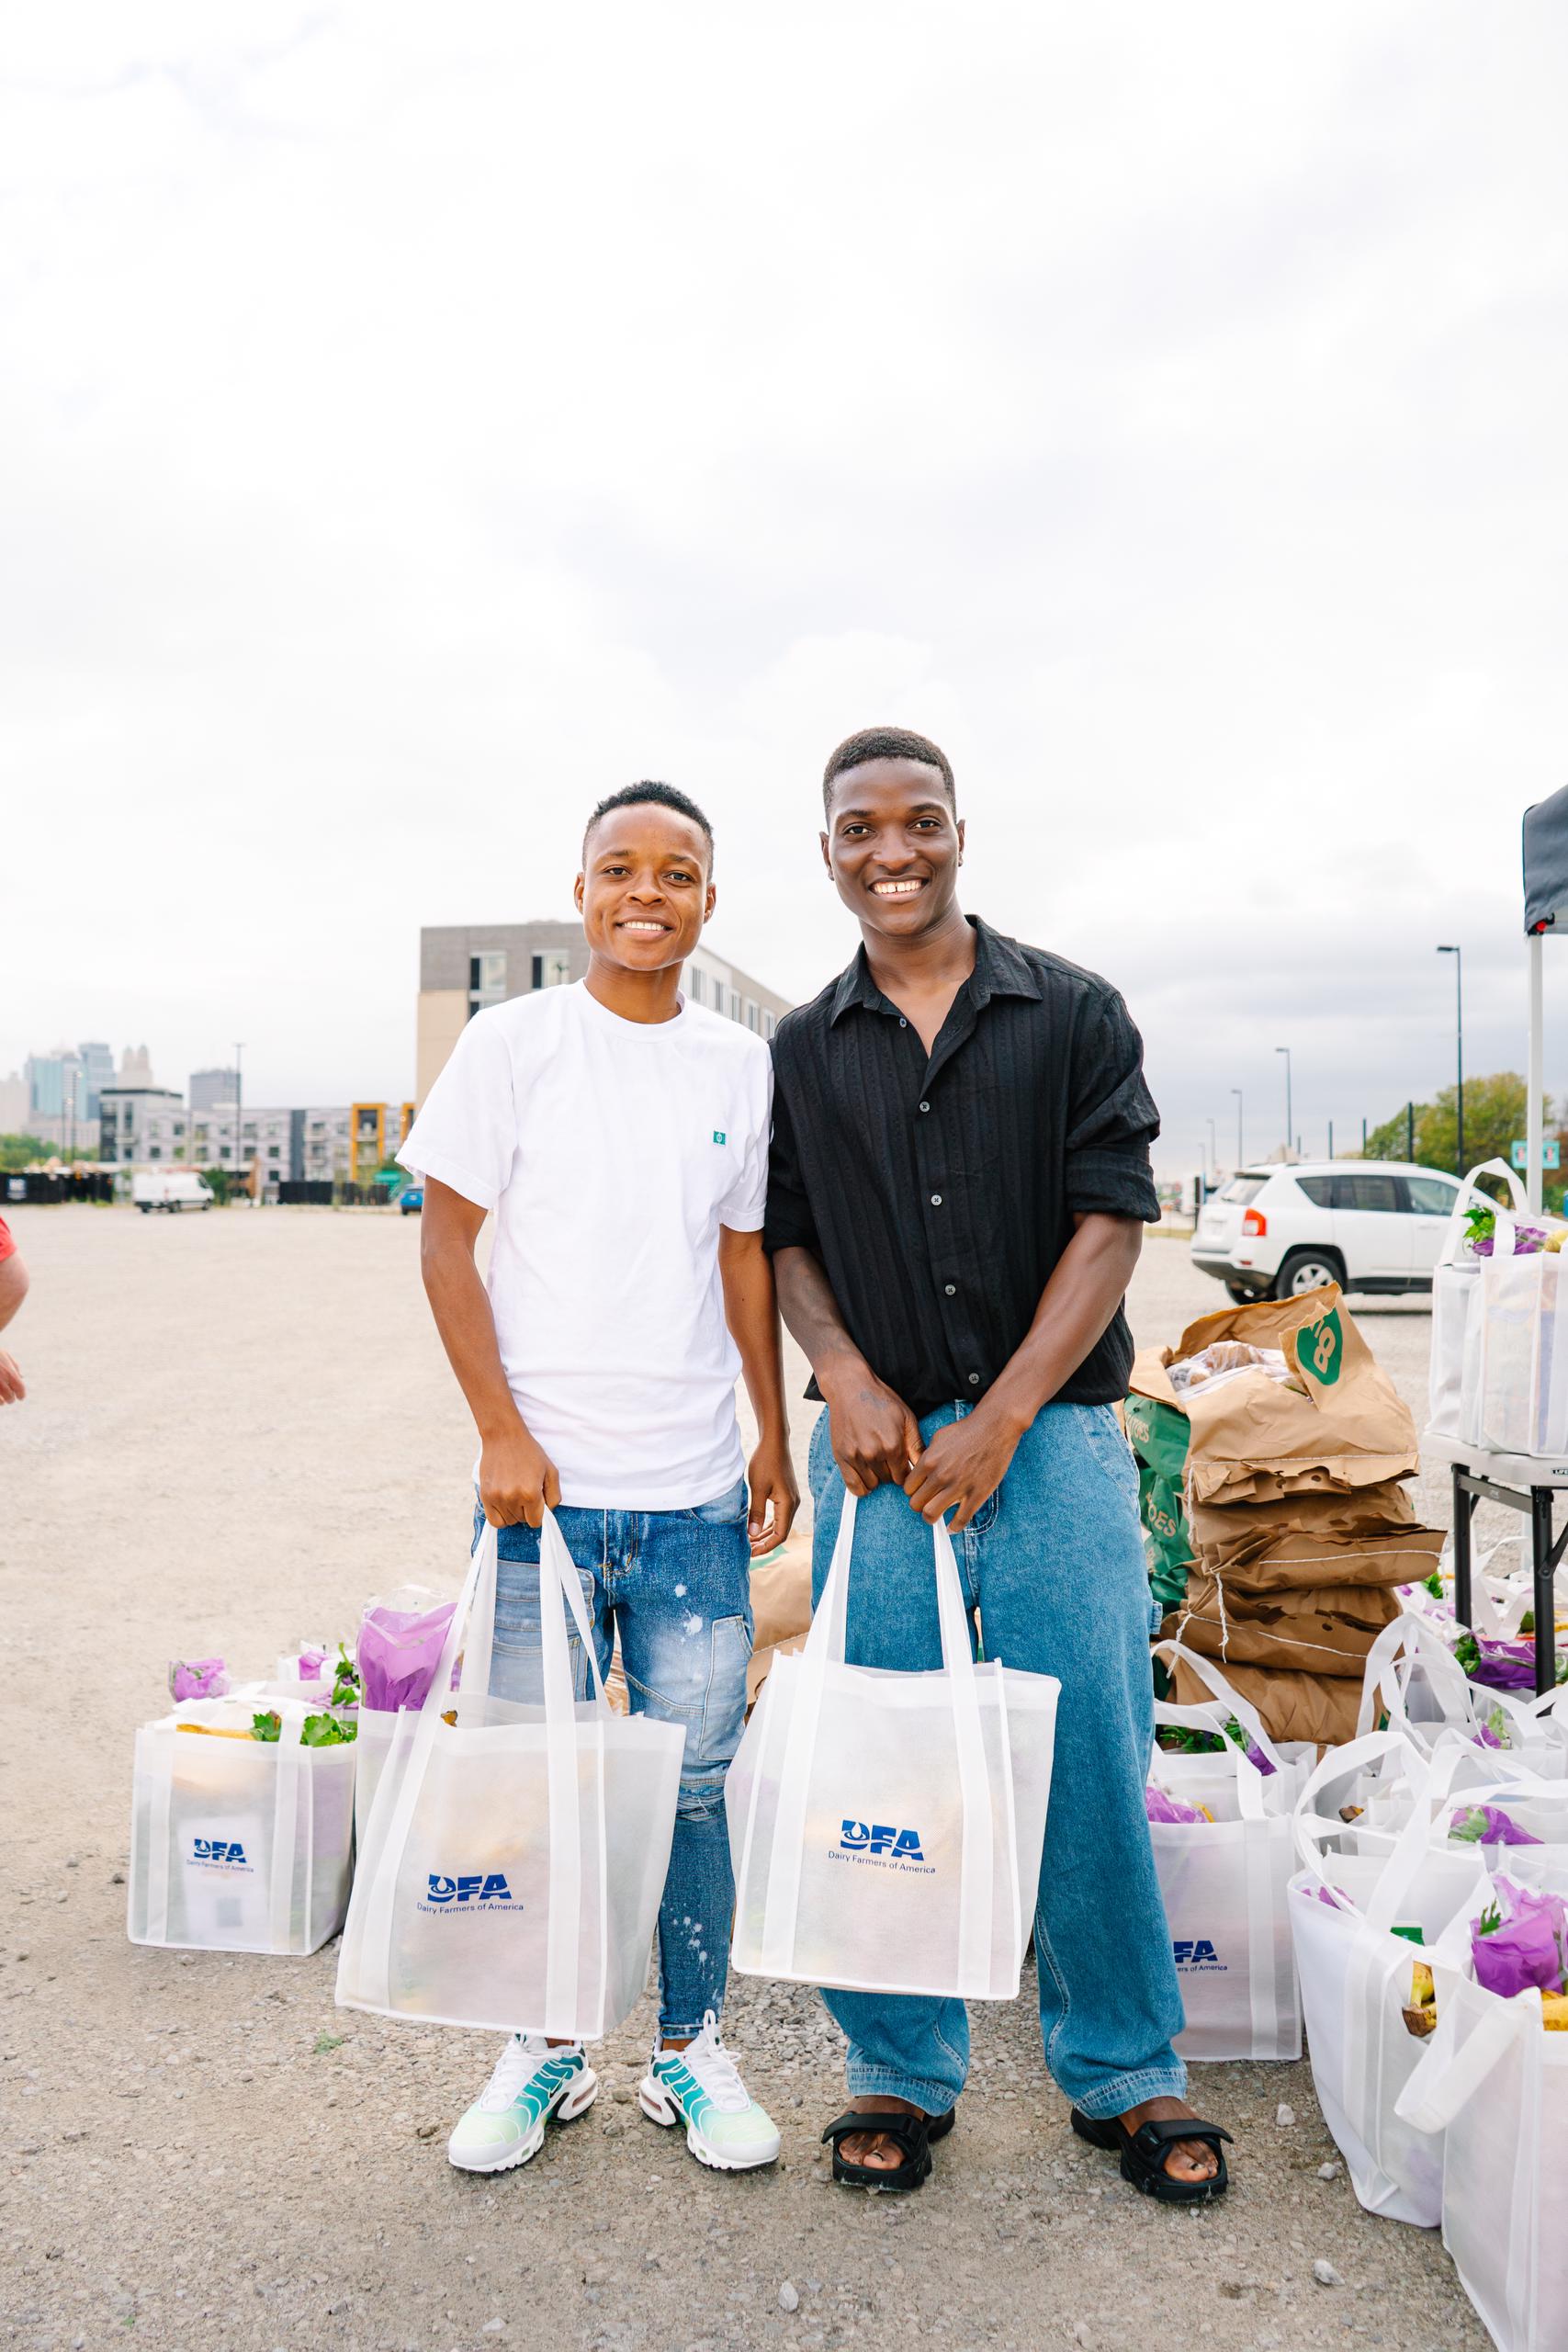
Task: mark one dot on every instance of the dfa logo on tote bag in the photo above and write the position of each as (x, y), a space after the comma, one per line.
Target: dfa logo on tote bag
(1195, 1952)
(889, 1848)
(226, 1851)
(475, 1891)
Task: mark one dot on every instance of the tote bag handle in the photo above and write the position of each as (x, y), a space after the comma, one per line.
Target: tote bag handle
(824, 1648)
(1413, 1638)
(1312, 1827)
(1249, 1779)
(1449, 1254)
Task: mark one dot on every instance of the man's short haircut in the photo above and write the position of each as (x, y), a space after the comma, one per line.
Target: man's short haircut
(666, 796)
(887, 743)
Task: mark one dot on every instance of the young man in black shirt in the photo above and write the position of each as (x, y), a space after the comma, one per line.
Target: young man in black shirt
(959, 1181)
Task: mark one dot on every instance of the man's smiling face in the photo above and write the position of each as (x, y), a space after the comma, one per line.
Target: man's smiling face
(893, 845)
(644, 893)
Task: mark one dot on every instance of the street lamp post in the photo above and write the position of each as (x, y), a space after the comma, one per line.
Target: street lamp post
(1459, 1055)
(238, 1109)
(1290, 1128)
(1240, 1151)
(1213, 1149)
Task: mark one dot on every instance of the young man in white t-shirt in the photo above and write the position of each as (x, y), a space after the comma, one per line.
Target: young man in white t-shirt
(620, 1136)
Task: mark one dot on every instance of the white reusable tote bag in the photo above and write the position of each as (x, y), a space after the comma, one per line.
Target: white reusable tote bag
(1515, 1348)
(886, 1828)
(237, 1844)
(513, 1863)
(1496, 2084)
(1455, 1285)
(1223, 1882)
(1356, 1975)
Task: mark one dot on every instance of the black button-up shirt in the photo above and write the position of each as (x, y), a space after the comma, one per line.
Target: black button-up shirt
(939, 1193)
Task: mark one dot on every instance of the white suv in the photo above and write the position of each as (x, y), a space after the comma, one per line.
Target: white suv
(1368, 1224)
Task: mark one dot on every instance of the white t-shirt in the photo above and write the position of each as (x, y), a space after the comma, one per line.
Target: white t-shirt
(611, 1152)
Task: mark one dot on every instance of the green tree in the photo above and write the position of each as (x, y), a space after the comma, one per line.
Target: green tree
(1494, 1117)
(20, 1151)
(218, 1178)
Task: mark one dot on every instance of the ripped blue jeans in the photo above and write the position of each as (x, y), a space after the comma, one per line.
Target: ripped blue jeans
(676, 1585)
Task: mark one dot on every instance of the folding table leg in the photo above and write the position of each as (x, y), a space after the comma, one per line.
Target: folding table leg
(1463, 1506)
(1545, 1569)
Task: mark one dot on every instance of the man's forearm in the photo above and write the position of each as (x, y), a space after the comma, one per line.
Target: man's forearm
(811, 1311)
(1075, 1308)
(461, 1306)
(874, 1435)
(750, 1309)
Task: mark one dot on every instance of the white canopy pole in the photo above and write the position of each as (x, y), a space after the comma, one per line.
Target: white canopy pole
(1535, 1123)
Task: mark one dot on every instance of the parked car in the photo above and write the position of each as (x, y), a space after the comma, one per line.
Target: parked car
(411, 1200)
(171, 1189)
(1369, 1224)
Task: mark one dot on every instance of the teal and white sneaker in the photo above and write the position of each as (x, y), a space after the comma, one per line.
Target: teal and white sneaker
(532, 2082)
(700, 2087)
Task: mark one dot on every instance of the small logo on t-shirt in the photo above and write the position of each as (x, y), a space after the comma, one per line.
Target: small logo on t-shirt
(719, 1134)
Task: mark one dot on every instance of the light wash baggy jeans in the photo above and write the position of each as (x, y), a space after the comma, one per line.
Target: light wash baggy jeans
(677, 1584)
(1054, 1562)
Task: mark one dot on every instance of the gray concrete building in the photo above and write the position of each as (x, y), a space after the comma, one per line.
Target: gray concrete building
(464, 967)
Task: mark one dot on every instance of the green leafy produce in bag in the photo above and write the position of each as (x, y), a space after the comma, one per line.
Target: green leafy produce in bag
(316, 1731)
(326, 1730)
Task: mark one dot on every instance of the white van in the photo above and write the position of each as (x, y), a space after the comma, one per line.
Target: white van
(170, 1188)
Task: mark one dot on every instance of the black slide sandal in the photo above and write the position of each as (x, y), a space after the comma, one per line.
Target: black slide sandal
(1143, 2154)
(914, 2134)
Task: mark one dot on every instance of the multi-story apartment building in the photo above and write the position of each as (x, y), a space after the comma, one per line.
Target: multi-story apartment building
(141, 1126)
(464, 967)
(150, 1127)
(375, 1130)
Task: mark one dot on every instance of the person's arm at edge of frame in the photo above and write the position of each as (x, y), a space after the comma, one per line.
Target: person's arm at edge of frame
(966, 1461)
(750, 1309)
(13, 1290)
(517, 1477)
(874, 1434)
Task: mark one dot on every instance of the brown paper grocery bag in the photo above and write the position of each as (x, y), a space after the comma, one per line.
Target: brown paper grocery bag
(1332, 1515)
(1338, 1424)
(781, 1609)
(1324, 1632)
(1261, 1562)
(1322, 1708)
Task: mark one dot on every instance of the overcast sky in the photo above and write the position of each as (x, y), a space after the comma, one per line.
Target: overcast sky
(416, 422)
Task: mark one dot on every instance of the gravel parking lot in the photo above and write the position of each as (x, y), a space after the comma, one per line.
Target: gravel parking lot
(239, 1426)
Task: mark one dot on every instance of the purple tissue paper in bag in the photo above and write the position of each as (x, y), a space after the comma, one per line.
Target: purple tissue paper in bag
(1526, 1946)
(1488, 1825)
(1159, 1806)
(400, 1650)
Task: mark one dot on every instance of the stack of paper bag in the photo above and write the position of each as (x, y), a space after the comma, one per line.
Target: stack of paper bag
(1298, 1528)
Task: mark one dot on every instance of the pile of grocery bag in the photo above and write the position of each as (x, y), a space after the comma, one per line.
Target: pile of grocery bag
(509, 1858)
(244, 1796)
(255, 1821)
(1429, 1915)
(1273, 1455)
